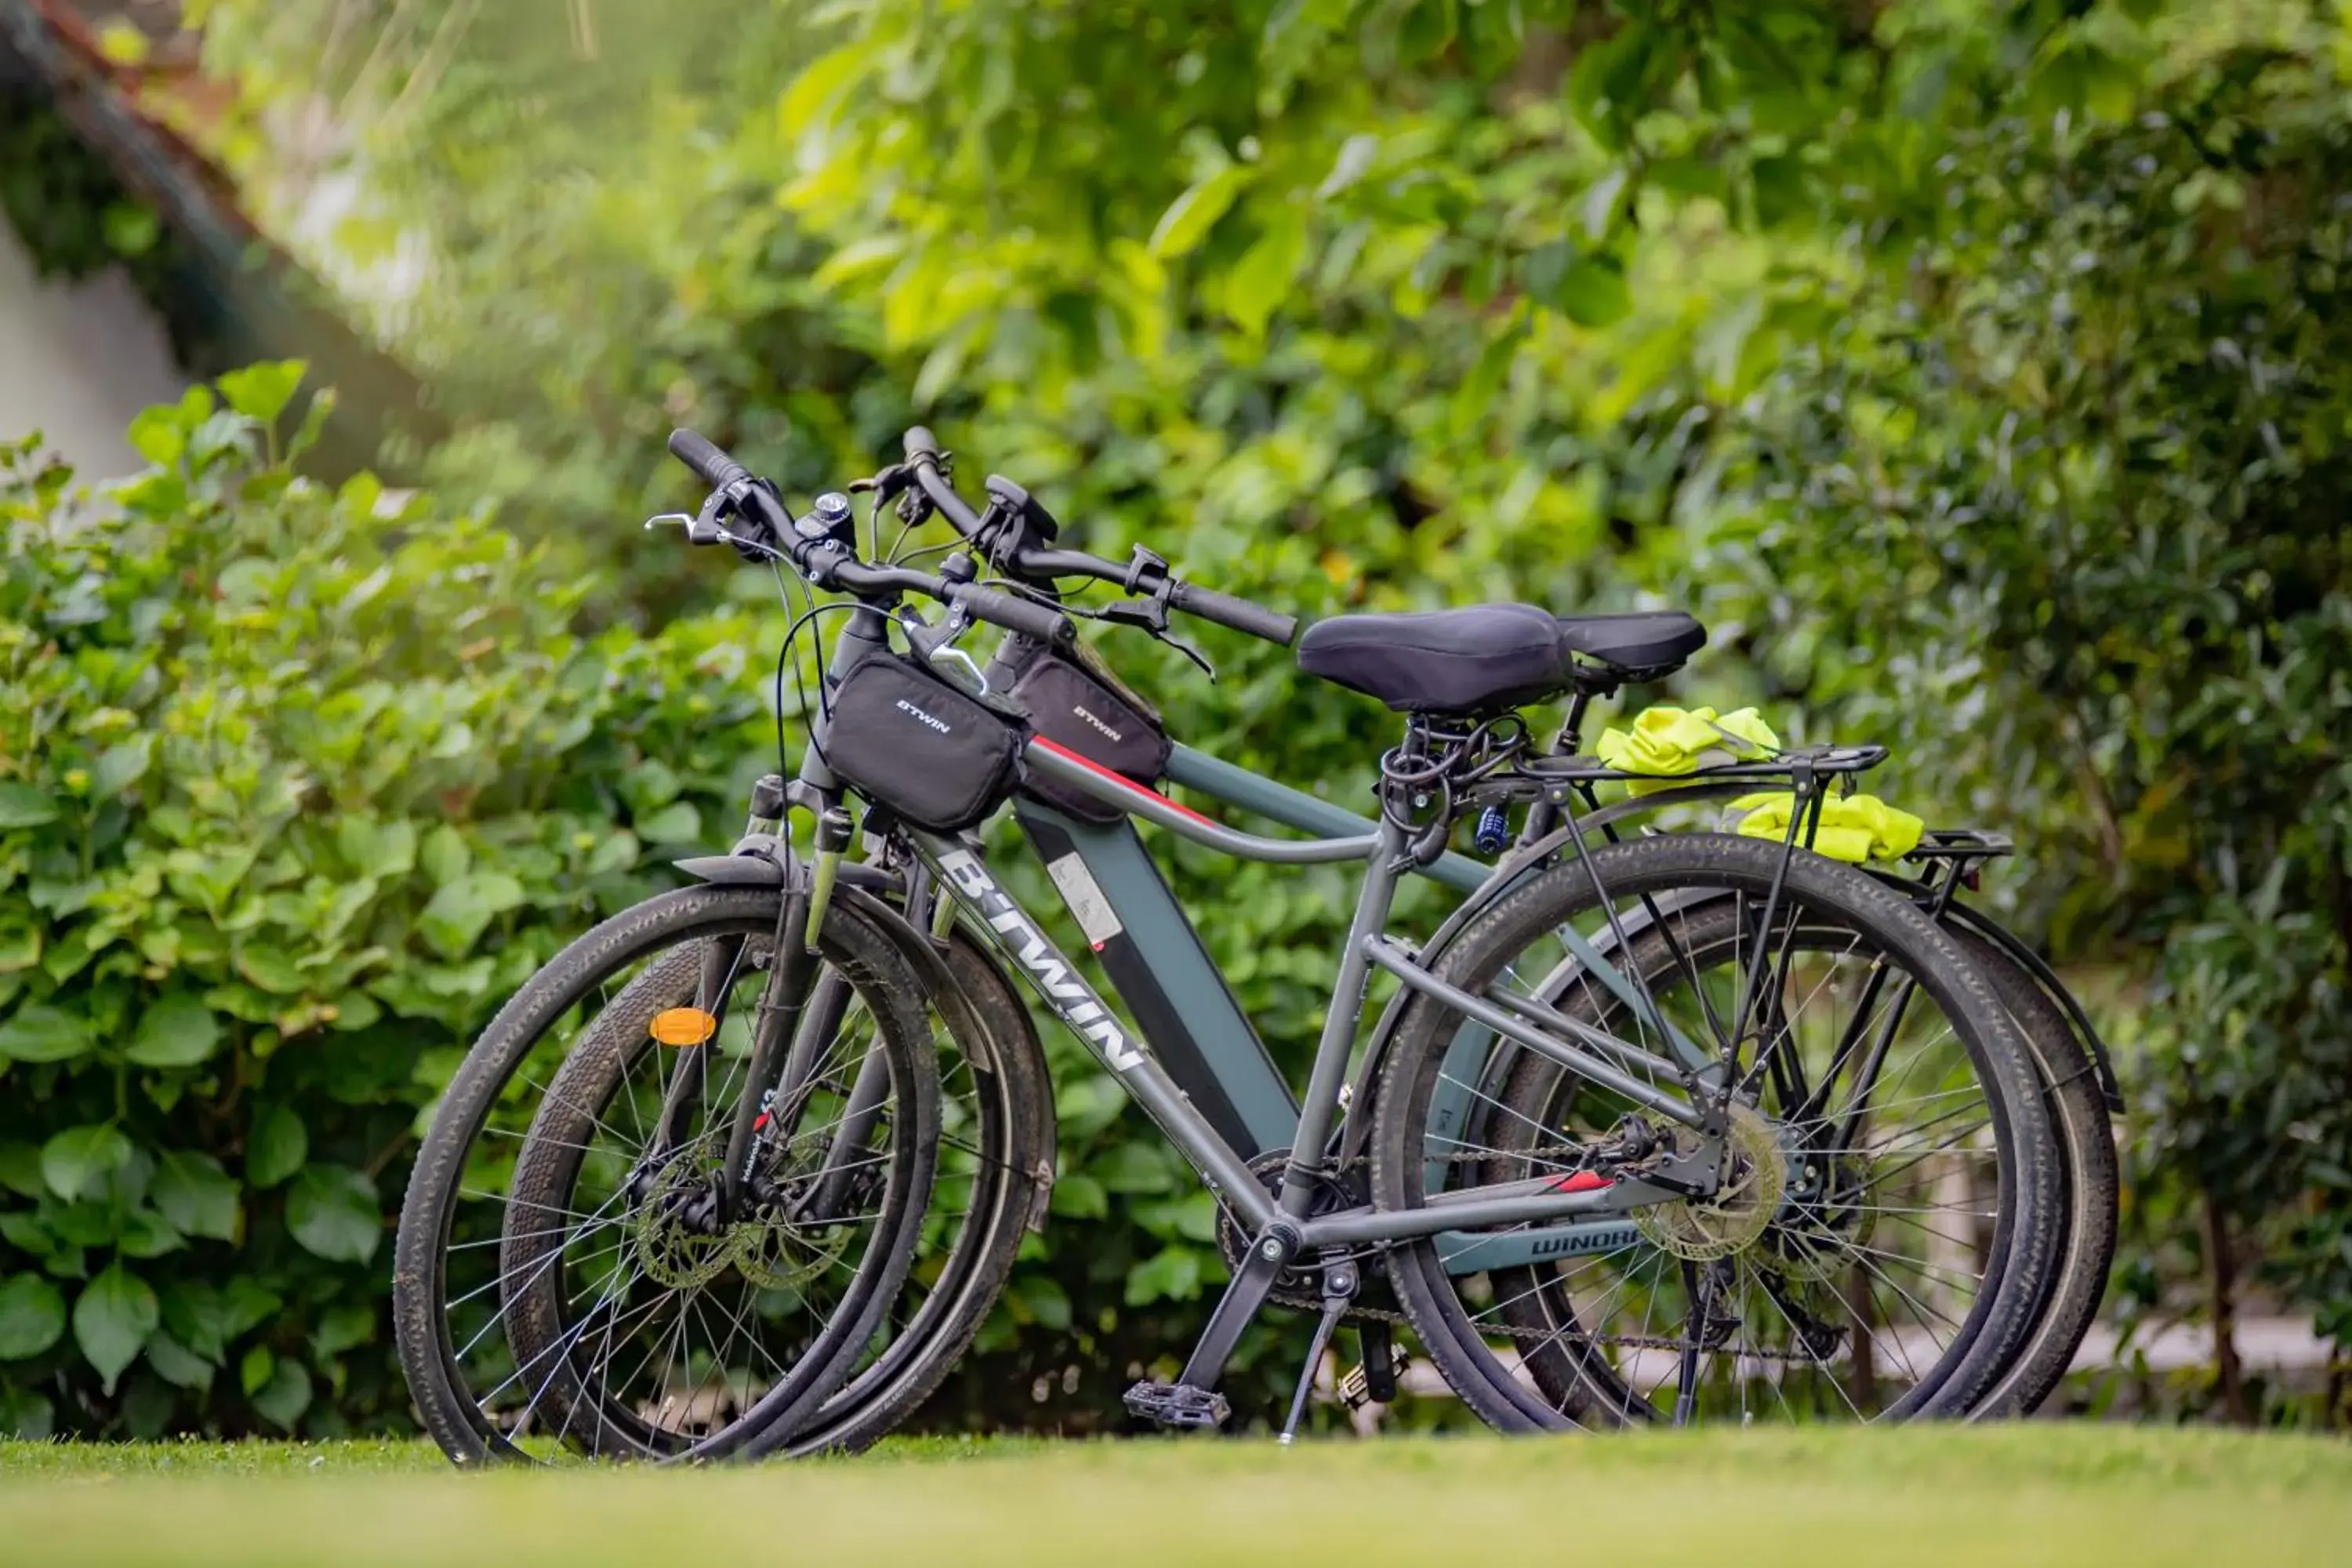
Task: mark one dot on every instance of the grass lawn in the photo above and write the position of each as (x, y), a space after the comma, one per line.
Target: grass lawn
(2035, 1494)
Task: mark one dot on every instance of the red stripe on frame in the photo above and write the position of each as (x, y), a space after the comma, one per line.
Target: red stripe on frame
(1092, 766)
(1582, 1181)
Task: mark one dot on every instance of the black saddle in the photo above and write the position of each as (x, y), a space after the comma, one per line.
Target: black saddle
(1491, 656)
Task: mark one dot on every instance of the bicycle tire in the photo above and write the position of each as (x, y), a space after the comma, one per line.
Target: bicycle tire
(2078, 1111)
(878, 1401)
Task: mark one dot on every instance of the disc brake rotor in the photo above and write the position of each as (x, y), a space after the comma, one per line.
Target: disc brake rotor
(777, 1255)
(672, 1252)
(1819, 1239)
(1736, 1215)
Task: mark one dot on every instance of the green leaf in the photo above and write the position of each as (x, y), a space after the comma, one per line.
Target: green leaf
(1592, 292)
(1605, 85)
(20, 1169)
(146, 1234)
(464, 908)
(258, 1367)
(261, 392)
(1426, 29)
(271, 969)
(196, 1315)
(26, 1415)
(1602, 203)
(24, 806)
(196, 1194)
(353, 1323)
(445, 857)
(1133, 1167)
(121, 765)
(20, 944)
(377, 849)
(1778, 185)
(819, 84)
(1080, 1197)
(1356, 155)
(41, 1033)
(1190, 216)
(111, 1321)
(75, 1160)
(282, 1399)
(331, 1210)
(177, 1364)
(675, 824)
(32, 1316)
(1476, 395)
(276, 1147)
(1172, 1274)
(178, 1031)
(1260, 279)
(1042, 1298)
(160, 434)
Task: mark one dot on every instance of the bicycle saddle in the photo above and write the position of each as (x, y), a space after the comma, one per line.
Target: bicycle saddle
(1490, 657)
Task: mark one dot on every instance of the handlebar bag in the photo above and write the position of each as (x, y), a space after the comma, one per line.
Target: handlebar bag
(1075, 701)
(907, 740)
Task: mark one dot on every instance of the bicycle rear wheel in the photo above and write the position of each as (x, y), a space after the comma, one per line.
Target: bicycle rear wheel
(563, 1287)
(1744, 1304)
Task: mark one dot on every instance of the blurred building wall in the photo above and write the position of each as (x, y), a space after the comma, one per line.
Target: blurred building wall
(77, 360)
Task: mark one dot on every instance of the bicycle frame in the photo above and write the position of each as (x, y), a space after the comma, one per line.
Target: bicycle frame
(1099, 875)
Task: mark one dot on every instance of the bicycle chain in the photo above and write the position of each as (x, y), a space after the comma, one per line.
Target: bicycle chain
(1361, 1314)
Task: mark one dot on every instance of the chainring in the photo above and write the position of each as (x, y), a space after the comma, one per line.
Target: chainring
(1297, 1286)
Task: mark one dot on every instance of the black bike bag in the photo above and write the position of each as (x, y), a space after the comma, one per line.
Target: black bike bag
(1075, 701)
(907, 740)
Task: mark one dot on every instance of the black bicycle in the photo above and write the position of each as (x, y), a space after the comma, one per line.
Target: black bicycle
(747, 1205)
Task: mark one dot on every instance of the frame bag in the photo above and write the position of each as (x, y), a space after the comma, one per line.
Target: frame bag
(907, 740)
(1079, 705)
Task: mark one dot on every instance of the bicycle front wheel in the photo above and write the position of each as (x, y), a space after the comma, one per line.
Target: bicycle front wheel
(565, 1285)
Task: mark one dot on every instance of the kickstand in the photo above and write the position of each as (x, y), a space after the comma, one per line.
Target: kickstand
(1339, 1290)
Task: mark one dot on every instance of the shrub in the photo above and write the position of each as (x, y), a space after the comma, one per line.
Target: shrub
(296, 786)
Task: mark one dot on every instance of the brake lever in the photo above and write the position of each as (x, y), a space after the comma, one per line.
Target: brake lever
(1150, 616)
(705, 529)
(897, 482)
(937, 643)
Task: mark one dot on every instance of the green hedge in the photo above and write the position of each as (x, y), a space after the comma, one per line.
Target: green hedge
(296, 786)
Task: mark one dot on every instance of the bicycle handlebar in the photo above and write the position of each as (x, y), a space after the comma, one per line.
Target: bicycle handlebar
(1041, 565)
(714, 468)
(829, 563)
(1228, 611)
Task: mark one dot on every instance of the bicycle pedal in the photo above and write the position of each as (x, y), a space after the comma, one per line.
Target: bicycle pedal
(1357, 1384)
(1178, 1404)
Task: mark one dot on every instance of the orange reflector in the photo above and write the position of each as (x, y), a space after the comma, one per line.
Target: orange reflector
(683, 1027)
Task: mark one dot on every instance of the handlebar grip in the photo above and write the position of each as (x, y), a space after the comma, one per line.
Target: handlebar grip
(711, 466)
(1031, 619)
(1238, 614)
(919, 440)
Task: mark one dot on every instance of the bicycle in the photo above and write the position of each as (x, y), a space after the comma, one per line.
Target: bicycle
(1702, 1151)
(1215, 1057)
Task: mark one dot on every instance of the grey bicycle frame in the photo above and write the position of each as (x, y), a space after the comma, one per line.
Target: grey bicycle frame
(1112, 891)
